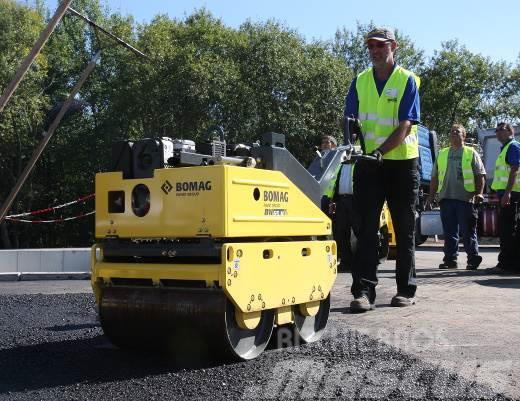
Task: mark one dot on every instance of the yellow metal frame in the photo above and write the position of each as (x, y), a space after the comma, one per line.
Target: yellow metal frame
(102, 272)
(224, 202)
(386, 219)
(268, 275)
(255, 276)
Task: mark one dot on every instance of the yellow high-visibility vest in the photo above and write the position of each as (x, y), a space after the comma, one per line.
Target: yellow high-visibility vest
(467, 169)
(502, 170)
(379, 115)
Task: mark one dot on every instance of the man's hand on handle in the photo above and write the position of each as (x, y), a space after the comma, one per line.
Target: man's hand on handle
(506, 199)
(430, 202)
(478, 199)
(332, 208)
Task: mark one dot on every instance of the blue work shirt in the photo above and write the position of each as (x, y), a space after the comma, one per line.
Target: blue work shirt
(409, 108)
(513, 159)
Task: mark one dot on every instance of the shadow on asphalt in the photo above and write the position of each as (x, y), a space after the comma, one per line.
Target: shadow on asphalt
(346, 309)
(460, 273)
(462, 270)
(500, 282)
(442, 272)
(82, 361)
(481, 249)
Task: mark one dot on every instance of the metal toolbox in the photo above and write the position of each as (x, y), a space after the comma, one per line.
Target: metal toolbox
(431, 223)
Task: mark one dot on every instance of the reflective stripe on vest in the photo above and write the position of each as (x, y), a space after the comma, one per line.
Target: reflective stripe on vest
(379, 115)
(467, 169)
(502, 170)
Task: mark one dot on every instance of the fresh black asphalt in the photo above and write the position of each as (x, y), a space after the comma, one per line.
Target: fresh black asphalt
(52, 348)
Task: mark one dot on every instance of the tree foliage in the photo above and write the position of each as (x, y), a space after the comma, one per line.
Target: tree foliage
(460, 87)
(199, 73)
(19, 121)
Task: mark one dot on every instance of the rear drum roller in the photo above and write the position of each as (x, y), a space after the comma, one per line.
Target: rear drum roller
(196, 323)
(248, 343)
(310, 328)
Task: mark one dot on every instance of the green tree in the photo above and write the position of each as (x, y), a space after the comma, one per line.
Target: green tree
(21, 118)
(458, 86)
(261, 78)
(199, 73)
(503, 104)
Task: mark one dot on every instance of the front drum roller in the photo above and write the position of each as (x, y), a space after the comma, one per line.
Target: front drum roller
(189, 321)
(310, 321)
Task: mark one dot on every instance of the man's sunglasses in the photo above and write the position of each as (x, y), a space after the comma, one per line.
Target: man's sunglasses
(500, 129)
(379, 45)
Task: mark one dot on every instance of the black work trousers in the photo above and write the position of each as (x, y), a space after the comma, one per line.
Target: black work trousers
(509, 256)
(397, 182)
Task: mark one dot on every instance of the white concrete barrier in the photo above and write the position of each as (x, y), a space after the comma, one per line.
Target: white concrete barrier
(59, 260)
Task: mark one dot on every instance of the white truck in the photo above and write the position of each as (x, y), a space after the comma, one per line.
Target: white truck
(488, 216)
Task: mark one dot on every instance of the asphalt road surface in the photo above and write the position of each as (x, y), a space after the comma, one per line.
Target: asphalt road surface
(52, 348)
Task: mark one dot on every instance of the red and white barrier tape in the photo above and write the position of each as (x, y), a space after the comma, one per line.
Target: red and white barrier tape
(51, 221)
(16, 217)
(50, 209)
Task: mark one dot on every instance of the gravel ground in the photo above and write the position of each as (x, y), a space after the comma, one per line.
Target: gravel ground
(52, 348)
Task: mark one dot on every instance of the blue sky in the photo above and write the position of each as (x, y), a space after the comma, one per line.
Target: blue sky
(488, 27)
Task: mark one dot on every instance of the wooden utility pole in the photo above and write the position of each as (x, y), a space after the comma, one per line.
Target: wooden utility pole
(46, 137)
(24, 67)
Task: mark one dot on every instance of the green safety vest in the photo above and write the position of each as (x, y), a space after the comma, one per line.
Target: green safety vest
(379, 114)
(502, 170)
(467, 169)
(329, 190)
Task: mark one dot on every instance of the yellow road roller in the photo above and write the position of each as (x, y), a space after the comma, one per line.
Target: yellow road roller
(210, 247)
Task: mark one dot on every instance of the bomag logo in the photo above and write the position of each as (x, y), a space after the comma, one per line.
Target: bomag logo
(193, 186)
(276, 196)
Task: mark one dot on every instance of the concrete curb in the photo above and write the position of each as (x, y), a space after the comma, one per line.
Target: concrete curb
(37, 276)
(10, 276)
(58, 260)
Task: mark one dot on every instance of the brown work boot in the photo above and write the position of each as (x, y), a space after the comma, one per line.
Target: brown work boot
(474, 262)
(452, 264)
(401, 300)
(361, 304)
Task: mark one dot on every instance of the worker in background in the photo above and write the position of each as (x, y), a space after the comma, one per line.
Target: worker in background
(328, 143)
(458, 177)
(385, 98)
(506, 182)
